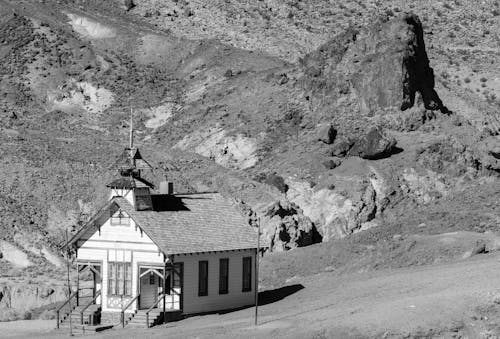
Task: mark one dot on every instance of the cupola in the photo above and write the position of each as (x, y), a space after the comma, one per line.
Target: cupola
(131, 185)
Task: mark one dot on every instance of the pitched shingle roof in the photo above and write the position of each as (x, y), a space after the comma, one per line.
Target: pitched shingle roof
(129, 182)
(192, 223)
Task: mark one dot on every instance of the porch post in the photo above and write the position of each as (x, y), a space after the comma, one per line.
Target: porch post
(77, 284)
(95, 284)
(164, 290)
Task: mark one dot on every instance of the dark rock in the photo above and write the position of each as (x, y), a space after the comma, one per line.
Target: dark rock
(327, 134)
(128, 4)
(332, 163)
(228, 73)
(479, 248)
(385, 63)
(392, 66)
(373, 145)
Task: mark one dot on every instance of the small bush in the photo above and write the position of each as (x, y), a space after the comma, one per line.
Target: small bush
(483, 79)
(277, 181)
(467, 80)
(8, 315)
(47, 315)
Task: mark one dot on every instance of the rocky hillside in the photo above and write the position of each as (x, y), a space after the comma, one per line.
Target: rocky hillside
(321, 120)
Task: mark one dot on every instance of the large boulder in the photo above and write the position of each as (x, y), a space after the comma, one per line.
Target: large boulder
(388, 65)
(286, 227)
(373, 145)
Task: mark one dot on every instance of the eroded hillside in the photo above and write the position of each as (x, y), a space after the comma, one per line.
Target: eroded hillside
(323, 120)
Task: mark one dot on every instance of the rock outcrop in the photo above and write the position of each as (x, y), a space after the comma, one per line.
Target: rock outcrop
(17, 300)
(373, 145)
(286, 227)
(386, 64)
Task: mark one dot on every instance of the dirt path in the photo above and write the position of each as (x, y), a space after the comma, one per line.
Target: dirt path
(402, 302)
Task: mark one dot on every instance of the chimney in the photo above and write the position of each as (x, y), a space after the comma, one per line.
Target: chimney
(166, 187)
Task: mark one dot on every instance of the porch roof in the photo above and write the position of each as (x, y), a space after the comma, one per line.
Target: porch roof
(193, 223)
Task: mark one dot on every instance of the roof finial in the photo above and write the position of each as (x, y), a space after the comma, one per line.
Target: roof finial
(131, 136)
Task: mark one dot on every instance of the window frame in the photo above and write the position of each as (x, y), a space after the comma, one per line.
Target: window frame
(202, 279)
(246, 282)
(224, 276)
(123, 219)
(117, 282)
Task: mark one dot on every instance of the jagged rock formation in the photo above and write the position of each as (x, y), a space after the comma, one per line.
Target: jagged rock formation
(386, 64)
(286, 227)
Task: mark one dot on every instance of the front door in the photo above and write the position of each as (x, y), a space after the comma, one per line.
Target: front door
(151, 285)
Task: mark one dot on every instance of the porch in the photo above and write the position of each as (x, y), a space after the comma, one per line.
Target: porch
(145, 305)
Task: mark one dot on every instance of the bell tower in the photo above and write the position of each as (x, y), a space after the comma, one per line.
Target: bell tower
(131, 185)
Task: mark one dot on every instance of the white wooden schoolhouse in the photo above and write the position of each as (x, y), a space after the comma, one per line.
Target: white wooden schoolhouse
(156, 256)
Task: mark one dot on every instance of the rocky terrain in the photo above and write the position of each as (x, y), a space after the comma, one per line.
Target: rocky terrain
(322, 120)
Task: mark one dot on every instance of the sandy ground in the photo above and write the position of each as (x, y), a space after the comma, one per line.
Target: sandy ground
(26, 328)
(399, 303)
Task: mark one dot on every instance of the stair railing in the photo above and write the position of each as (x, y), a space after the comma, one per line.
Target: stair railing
(162, 296)
(87, 306)
(125, 308)
(58, 311)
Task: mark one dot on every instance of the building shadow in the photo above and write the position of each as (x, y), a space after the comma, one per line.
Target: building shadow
(272, 296)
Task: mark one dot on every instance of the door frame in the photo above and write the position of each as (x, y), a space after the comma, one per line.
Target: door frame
(90, 265)
(147, 265)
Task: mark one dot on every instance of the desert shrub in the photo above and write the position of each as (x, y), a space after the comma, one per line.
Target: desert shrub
(483, 79)
(8, 314)
(467, 80)
(495, 12)
(272, 179)
(47, 315)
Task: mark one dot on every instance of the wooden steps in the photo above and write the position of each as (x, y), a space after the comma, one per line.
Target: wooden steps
(93, 311)
(139, 319)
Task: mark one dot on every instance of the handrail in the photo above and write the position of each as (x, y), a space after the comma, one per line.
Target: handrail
(127, 306)
(87, 306)
(71, 296)
(154, 305)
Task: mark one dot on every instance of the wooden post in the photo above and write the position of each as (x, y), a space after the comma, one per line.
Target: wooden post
(256, 287)
(77, 284)
(164, 290)
(68, 263)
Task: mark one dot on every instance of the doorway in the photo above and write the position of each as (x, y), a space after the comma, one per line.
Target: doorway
(151, 286)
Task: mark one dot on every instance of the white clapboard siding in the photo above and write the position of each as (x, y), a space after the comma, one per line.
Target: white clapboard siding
(215, 301)
(122, 244)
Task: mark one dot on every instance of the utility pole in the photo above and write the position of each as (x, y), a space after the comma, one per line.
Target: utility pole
(68, 264)
(256, 289)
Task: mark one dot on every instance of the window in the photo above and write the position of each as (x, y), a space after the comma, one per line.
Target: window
(203, 278)
(223, 276)
(247, 274)
(119, 219)
(119, 278)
